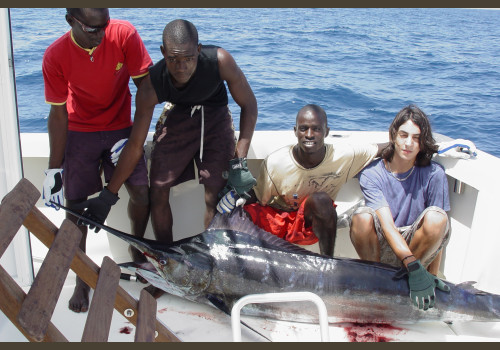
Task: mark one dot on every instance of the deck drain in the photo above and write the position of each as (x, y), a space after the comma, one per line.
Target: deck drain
(128, 313)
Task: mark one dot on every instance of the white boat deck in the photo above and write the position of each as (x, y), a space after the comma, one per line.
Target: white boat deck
(197, 322)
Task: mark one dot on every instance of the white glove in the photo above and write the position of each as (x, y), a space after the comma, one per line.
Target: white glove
(117, 149)
(53, 188)
(459, 148)
(230, 201)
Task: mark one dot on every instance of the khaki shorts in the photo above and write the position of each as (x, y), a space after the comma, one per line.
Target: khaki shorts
(387, 255)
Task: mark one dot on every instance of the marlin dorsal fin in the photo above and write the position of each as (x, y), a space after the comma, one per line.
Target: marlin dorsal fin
(239, 221)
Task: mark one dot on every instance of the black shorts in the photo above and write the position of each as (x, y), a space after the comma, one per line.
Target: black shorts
(86, 154)
(177, 145)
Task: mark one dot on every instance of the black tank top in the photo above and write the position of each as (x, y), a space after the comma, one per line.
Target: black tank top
(204, 88)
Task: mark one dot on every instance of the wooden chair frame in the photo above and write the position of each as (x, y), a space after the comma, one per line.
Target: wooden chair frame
(31, 313)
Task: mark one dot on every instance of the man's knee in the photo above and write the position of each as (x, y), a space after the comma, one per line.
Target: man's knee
(211, 196)
(362, 221)
(437, 218)
(361, 225)
(320, 205)
(435, 223)
(319, 198)
(159, 196)
(139, 195)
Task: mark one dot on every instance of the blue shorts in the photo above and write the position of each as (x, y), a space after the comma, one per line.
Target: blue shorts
(87, 155)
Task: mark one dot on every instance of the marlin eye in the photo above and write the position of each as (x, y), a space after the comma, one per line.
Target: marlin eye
(162, 262)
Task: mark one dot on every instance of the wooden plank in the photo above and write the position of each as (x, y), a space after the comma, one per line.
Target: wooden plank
(87, 270)
(42, 297)
(101, 309)
(14, 208)
(145, 330)
(12, 297)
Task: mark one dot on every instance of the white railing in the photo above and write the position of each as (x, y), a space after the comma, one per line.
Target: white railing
(277, 298)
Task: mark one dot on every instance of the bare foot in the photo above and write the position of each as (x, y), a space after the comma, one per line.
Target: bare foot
(79, 301)
(155, 292)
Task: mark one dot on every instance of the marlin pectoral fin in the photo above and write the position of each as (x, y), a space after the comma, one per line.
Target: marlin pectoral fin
(218, 303)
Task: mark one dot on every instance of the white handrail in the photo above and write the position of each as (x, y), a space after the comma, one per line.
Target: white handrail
(279, 297)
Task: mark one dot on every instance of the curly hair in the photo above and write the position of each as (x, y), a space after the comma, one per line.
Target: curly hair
(427, 143)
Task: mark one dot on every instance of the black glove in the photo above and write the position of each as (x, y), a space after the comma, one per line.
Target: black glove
(239, 179)
(97, 208)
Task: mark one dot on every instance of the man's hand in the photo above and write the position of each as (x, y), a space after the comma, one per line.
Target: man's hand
(230, 201)
(422, 285)
(53, 188)
(116, 150)
(97, 208)
(459, 148)
(240, 179)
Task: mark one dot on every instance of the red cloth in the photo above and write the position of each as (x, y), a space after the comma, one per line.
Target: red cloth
(289, 226)
(96, 92)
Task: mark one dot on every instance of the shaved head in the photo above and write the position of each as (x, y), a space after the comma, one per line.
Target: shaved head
(180, 32)
(315, 109)
(82, 13)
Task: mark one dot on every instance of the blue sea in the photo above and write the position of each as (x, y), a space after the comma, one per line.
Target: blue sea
(361, 65)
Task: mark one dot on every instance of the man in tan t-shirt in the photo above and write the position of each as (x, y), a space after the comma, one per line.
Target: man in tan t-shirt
(297, 184)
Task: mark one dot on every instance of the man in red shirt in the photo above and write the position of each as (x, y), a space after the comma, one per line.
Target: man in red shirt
(86, 74)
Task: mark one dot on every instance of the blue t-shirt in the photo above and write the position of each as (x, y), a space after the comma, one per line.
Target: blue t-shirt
(426, 186)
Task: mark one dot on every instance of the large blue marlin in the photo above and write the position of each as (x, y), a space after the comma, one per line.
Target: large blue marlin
(234, 258)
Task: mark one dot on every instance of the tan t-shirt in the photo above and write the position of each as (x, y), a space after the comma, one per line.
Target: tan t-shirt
(283, 183)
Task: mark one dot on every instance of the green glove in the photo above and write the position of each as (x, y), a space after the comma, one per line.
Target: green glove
(240, 178)
(422, 285)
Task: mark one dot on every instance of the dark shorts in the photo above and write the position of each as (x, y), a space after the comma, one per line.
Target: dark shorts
(176, 144)
(86, 155)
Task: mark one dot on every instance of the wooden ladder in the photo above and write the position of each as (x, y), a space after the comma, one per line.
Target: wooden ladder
(31, 313)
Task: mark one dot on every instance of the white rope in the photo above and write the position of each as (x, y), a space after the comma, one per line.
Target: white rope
(194, 109)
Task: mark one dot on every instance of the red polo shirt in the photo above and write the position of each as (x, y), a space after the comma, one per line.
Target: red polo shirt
(94, 83)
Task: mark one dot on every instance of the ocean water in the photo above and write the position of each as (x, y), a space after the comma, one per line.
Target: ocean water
(361, 65)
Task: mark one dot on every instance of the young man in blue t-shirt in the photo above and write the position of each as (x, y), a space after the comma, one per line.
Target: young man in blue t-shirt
(405, 222)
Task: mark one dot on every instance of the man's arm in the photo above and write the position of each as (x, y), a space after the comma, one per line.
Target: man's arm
(372, 189)
(421, 282)
(137, 81)
(57, 126)
(393, 237)
(146, 100)
(243, 95)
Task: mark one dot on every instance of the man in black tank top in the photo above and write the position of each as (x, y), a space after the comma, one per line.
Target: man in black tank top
(198, 127)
